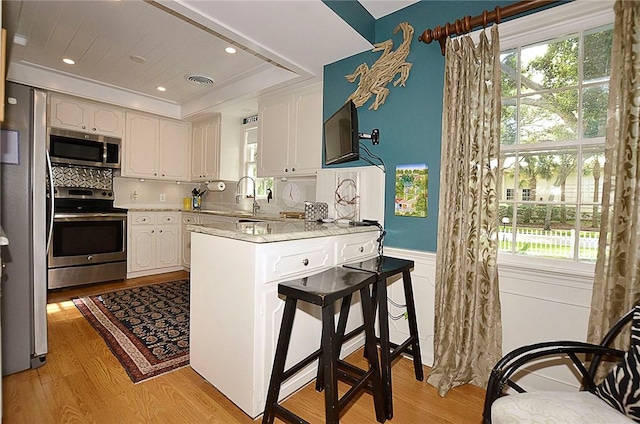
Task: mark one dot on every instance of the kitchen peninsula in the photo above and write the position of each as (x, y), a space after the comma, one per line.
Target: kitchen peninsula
(235, 308)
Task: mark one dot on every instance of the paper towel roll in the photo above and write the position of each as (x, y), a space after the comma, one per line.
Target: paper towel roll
(216, 186)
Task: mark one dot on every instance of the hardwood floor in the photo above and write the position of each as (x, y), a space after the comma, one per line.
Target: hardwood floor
(82, 382)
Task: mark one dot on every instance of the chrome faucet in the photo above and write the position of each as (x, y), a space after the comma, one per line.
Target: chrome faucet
(256, 206)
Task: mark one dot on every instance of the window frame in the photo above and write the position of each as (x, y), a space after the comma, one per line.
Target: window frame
(252, 124)
(544, 25)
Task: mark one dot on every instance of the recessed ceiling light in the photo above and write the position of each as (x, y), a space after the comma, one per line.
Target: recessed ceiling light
(137, 59)
(161, 88)
(69, 61)
(230, 50)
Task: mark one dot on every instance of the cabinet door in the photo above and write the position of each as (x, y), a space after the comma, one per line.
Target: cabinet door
(205, 158)
(186, 238)
(106, 120)
(274, 118)
(198, 134)
(168, 239)
(174, 150)
(305, 149)
(211, 152)
(68, 113)
(141, 146)
(143, 248)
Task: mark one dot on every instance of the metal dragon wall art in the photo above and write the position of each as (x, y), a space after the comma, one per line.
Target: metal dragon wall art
(374, 80)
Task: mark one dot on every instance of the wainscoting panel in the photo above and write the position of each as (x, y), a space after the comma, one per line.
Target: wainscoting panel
(423, 282)
(538, 304)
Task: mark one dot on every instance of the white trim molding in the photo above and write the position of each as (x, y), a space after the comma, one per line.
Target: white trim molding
(538, 304)
(555, 22)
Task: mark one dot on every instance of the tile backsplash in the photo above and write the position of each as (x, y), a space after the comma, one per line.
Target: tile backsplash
(80, 176)
(132, 193)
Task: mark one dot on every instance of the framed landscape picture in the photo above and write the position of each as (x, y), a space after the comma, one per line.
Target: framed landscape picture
(412, 190)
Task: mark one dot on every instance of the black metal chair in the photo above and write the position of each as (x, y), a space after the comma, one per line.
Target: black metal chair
(506, 370)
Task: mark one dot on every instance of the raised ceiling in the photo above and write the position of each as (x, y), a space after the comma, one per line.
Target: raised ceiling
(124, 50)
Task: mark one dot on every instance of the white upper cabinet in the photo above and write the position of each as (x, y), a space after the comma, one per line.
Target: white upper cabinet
(290, 133)
(141, 146)
(156, 148)
(79, 115)
(175, 146)
(205, 158)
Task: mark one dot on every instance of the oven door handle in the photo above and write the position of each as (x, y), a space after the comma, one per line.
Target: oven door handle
(91, 216)
(51, 199)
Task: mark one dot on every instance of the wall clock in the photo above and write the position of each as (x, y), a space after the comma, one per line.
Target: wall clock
(291, 194)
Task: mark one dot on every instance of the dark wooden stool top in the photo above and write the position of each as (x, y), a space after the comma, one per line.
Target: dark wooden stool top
(382, 266)
(327, 287)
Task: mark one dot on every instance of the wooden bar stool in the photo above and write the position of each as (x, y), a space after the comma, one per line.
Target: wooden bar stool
(324, 289)
(384, 267)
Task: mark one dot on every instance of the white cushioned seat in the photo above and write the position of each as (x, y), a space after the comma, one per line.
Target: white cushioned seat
(555, 407)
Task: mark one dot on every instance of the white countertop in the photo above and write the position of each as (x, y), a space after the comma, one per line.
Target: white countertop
(273, 231)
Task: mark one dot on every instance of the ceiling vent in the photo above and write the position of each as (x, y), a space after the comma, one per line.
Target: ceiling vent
(199, 79)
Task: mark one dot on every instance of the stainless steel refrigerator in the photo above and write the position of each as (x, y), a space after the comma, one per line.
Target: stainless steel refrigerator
(23, 215)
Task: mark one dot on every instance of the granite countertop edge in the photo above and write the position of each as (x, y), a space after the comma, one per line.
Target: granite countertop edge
(235, 214)
(269, 232)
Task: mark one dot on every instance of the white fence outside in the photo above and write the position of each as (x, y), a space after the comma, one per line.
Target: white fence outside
(549, 243)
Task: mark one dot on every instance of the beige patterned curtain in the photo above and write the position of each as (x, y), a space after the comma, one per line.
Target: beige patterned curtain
(616, 287)
(468, 329)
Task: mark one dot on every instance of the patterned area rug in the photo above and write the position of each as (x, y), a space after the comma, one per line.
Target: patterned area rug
(147, 328)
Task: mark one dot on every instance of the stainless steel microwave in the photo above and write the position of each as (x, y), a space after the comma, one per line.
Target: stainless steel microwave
(77, 148)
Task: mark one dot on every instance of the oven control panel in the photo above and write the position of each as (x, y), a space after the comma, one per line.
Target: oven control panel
(82, 193)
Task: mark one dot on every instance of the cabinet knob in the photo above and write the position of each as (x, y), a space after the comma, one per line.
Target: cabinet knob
(153, 231)
(286, 169)
(293, 169)
(160, 230)
(361, 249)
(95, 129)
(163, 175)
(89, 258)
(155, 174)
(84, 128)
(305, 262)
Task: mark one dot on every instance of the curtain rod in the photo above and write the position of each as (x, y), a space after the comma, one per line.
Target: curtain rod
(467, 23)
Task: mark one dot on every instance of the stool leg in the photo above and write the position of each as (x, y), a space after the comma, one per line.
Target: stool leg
(385, 359)
(329, 365)
(374, 304)
(413, 325)
(372, 355)
(282, 348)
(342, 325)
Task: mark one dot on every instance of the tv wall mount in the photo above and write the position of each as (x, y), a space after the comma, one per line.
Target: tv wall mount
(374, 136)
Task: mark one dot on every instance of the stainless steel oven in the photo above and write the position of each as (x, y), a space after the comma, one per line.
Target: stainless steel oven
(88, 238)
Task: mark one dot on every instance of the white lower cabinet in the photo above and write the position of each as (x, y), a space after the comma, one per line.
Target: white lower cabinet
(187, 219)
(154, 242)
(235, 304)
(196, 218)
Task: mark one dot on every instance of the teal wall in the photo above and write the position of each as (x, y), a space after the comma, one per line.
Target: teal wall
(410, 120)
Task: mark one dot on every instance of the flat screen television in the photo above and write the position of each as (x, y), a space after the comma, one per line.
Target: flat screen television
(341, 139)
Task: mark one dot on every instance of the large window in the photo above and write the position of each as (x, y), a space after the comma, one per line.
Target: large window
(251, 162)
(554, 106)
